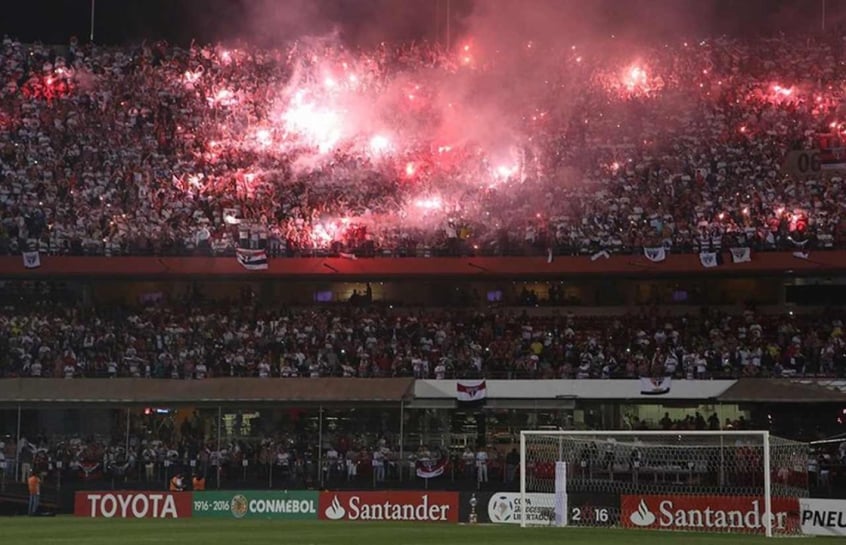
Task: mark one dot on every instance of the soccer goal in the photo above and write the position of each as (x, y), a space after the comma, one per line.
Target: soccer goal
(706, 481)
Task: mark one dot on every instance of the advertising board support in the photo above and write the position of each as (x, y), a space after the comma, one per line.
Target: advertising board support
(219, 423)
(401, 434)
(17, 443)
(320, 444)
(128, 417)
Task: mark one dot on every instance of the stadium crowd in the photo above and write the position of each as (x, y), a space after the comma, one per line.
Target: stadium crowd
(154, 150)
(202, 341)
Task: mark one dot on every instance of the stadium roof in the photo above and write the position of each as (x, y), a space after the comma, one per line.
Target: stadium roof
(218, 391)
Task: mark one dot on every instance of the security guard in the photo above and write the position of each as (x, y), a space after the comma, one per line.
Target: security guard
(198, 483)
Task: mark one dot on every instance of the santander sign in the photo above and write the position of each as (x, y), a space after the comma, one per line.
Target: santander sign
(410, 506)
(708, 513)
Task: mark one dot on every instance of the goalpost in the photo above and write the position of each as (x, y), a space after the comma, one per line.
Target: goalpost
(705, 481)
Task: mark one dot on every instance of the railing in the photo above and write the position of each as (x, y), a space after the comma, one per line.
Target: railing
(459, 249)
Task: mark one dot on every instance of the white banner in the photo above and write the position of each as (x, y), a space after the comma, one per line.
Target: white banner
(741, 255)
(655, 255)
(655, 386)
(231, 216)
(31, 260)
(822, 517)
(708, 259)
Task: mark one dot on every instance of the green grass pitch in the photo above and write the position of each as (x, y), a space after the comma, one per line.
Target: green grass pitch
(70, 530)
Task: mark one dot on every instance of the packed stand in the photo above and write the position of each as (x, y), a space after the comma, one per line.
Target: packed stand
(161, 150)
(203, 341)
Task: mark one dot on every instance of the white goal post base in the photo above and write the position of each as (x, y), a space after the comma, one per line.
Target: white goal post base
(711, 481)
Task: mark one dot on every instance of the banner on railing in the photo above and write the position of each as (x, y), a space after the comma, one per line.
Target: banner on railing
(429, 469)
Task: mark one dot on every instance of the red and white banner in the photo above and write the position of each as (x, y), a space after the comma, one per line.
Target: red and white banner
(471, 391)
(709, 513)
(428, 469)
(655, 386)
(252, 260)
(131, 504)
(398, 505)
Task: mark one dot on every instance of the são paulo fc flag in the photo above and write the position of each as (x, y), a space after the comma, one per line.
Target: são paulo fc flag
(655, 386)
(427, 469)
(252, 260)
(31, 260)
(471, 391)
(741, 255)
(655, 255)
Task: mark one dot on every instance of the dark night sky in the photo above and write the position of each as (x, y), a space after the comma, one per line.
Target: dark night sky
(368, 21)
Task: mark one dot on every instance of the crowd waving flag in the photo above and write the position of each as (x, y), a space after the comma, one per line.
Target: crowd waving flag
(252, 260)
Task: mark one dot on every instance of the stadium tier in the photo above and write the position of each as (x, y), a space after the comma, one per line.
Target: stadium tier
(316, 148)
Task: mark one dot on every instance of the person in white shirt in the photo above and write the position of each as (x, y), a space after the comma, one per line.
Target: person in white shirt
(469, 459)
(332, 465)
(378, 466)
(352, 465)
(482, 466)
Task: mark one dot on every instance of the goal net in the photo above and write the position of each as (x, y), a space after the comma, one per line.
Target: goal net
(729, 481)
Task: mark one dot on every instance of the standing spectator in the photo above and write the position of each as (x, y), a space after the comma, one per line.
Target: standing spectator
(34, 485)
(482, 465)
(512, 463)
